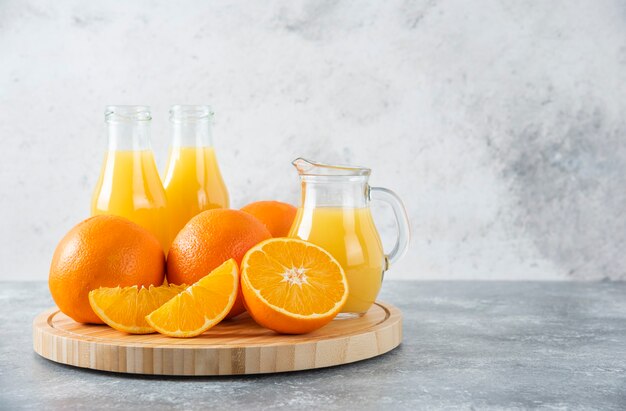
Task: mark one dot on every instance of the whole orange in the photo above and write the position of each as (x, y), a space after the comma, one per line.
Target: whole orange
(276, 216)
(102, 251)
(209, 239)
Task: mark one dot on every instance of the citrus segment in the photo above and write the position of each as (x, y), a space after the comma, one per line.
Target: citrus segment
(125, 308)
(200, 306)
(292, 286)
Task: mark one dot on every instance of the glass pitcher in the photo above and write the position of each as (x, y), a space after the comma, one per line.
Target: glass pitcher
(129, 185)
(335, 215)
(193, 181)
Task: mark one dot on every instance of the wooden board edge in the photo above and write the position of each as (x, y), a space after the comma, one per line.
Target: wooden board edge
(57, 346)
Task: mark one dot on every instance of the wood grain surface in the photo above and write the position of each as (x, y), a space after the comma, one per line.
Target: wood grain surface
(238, 346)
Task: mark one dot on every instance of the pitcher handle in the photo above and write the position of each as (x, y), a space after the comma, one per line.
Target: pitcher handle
(402, 222)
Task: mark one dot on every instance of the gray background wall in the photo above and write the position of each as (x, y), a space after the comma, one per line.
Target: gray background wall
(500, 123)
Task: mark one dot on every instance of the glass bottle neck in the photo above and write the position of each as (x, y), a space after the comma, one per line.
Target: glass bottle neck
(334, 192)
(129, 135)
(128, 127)
(192, 133)
(191, 125)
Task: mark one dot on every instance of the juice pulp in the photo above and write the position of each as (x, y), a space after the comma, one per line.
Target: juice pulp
(130, 187)
(193, 184)
(349, 234)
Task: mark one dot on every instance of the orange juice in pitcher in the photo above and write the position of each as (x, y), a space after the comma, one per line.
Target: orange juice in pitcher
(129, 185)
(193, 181)
(335, 215)
(351, 237)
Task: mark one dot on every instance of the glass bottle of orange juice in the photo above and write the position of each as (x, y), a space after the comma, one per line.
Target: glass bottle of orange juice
(335, 215)
(129, 185)
(193, 181)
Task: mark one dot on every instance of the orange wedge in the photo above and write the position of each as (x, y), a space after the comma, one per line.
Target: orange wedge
(200, 306)
(125, 309)
(292, 286)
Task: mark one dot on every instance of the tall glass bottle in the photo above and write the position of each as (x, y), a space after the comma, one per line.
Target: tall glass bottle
(193, 181)
(129, 185)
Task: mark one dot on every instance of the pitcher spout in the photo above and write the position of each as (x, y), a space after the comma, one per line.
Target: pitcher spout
(312, 168)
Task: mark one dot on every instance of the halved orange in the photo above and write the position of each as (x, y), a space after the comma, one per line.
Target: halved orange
(292, 286)
(200, 306)
(125, 309)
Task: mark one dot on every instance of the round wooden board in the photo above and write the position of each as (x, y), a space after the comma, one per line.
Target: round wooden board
(232, 347)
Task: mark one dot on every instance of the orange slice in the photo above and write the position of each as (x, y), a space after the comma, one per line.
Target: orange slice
(125, 309)
(200, 306)
(292, 286)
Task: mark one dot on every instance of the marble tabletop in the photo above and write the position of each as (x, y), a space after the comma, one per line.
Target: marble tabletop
(467, 345)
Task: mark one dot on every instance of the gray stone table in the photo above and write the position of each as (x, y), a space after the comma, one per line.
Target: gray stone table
(481, 345)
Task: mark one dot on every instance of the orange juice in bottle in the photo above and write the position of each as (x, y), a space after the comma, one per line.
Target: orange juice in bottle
(129, 185)
(193, 181)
